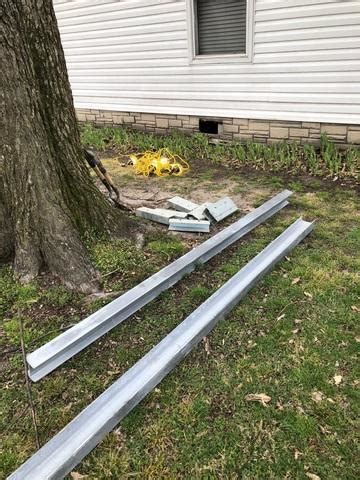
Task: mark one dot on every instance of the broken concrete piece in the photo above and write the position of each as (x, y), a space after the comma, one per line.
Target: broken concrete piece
(159, 215)
(219, 210)
(185, 225)
(181, 204)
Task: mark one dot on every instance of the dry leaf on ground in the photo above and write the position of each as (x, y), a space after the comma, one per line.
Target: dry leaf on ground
(206, 345)
(258, 397)
(297, 454)
(307, 294)
(324, 430)
(77, 476)
(337, 379)
(317, 396)
(312, 476)
(295, 281)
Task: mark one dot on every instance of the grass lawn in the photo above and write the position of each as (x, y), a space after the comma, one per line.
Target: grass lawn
(294, 337)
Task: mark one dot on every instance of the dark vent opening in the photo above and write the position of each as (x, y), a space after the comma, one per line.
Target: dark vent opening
(209, 126)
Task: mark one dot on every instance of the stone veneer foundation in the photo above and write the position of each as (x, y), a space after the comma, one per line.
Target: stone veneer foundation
(266, 131)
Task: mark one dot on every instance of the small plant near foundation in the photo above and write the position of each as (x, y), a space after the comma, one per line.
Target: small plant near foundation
(325, 160)
(310, 158)
(331, 156)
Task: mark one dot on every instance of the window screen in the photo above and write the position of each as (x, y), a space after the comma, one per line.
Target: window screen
(221, 26)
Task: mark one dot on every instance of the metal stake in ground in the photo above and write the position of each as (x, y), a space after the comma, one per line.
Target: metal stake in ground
(63, 452)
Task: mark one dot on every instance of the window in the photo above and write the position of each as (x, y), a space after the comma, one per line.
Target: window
(220, 29)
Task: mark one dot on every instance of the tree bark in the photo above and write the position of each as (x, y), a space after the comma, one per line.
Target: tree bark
(47, 197)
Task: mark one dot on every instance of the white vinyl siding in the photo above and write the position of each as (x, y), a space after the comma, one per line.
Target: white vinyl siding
(133, 55)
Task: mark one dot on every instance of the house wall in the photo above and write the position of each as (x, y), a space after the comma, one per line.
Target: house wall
(264, 131)
(133, 56)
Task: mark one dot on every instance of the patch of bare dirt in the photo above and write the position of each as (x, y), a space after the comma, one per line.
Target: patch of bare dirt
(200, 185)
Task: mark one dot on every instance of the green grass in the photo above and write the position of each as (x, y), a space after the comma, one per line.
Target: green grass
(292, 158)
(166, 247)
(287, 339)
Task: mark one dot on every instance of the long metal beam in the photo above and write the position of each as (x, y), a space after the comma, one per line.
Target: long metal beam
(64, 451)
(54, 353)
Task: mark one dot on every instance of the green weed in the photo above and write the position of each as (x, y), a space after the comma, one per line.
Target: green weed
(166, 247)
(119, 257)
(330, 155)
(284, 156)
(13, 295)
(59, 296)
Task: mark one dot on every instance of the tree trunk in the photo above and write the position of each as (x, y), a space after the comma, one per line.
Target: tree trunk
(47, 197)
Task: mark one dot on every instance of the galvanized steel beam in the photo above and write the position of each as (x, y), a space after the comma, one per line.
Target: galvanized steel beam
(181, 204)
(160, 215)
(185, 225)
(199, 212)
(54, 353)
(219, 210)
(64, 451)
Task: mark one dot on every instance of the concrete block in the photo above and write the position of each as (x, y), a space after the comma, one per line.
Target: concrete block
(148, 117)
(353, 136)
(311, 125)
(118, 119)
(334, 129)
(286, 124)
(175, 123)
(279, 132)
(230, 128)
(259, 126)
(162, 122)
(166, 115)
(194, 121)
(240, 121)
(299, 132)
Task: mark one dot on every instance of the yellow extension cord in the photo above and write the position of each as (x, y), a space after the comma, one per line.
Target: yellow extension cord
(160, 163)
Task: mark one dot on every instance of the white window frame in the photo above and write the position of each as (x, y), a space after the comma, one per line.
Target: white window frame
(221, 58)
